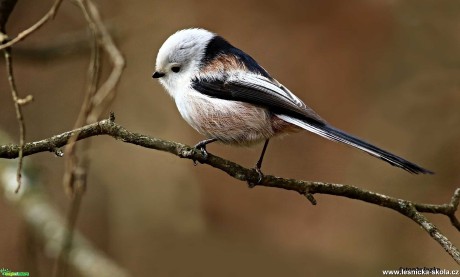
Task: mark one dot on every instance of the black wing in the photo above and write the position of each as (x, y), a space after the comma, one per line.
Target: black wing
(258, 90)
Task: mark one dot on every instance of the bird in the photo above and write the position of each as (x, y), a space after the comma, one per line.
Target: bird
(225, 95)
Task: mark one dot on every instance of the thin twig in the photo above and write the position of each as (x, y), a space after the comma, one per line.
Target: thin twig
(410, 211)
(6, 7)
(74, 180)
(6, 47)
(22, 35)
(79, 188)
(18, 102)
(106, 93)
(407, 208)
(94, 70)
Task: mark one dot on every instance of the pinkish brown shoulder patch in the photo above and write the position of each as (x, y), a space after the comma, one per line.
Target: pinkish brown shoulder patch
(224, 63)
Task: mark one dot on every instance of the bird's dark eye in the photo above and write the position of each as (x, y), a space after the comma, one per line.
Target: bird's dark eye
(175, 69)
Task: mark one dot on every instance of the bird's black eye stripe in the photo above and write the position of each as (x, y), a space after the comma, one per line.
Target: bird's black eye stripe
(175, 69)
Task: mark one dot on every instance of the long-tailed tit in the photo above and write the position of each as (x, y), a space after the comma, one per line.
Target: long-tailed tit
(227, 96)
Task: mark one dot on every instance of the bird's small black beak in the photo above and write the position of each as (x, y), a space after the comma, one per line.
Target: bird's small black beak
(157, 75)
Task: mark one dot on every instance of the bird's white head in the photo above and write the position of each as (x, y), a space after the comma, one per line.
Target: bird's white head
(179, 58)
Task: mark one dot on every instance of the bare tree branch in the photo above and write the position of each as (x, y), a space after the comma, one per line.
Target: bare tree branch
(49, 15)
(106, 92)
(90, 111)
(96, 101)
(74, 180)
(407, 208)
(18, 102)
(6, 7)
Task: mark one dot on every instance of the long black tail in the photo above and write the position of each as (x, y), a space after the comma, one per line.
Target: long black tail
(334, 134)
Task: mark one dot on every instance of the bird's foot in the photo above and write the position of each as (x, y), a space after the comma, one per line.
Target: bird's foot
(259, 180)
(201, 146)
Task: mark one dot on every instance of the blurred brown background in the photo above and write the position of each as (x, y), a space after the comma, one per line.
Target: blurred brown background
(386, 71)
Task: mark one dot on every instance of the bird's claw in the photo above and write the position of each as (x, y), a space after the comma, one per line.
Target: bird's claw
(201, 148)
(204, 152)
(259, 180)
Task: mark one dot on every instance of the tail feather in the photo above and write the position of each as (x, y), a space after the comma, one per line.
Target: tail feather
(334, 134)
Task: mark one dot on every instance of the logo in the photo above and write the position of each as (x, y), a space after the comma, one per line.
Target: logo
(7, 272)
